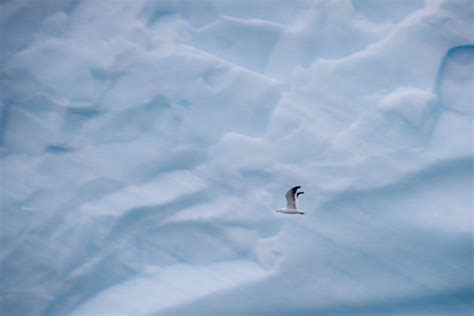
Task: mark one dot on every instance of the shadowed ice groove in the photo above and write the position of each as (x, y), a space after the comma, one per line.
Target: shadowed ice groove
(154, 11)
(58, 149)
(137, 217)
(455, 80)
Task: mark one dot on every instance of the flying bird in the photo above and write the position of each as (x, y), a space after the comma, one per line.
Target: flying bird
(292, 202)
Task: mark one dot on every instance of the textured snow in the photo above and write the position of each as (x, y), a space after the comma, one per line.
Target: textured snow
(145, 146)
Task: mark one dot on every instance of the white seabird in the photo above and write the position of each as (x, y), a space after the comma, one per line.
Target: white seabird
(292, 202)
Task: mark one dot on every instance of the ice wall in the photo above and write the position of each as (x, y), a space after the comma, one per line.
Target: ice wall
(145, 146)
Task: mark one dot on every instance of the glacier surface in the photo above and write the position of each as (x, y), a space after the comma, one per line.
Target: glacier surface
(145, 146)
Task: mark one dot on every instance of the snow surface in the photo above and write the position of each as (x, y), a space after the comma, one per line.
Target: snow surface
(145, 146)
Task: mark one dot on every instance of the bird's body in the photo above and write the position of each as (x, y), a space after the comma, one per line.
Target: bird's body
(292, 202)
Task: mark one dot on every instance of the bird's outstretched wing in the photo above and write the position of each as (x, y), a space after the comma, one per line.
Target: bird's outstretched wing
(291, 197)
